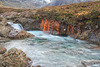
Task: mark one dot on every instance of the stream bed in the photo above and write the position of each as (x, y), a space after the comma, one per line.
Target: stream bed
(55, 51)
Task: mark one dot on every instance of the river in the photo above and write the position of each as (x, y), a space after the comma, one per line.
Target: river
(55, 51)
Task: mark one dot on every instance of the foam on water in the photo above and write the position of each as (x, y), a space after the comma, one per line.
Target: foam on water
(55, 51)
(16, 25)
(42, 34)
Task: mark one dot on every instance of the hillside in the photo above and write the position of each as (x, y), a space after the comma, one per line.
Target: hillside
(33, 4)
(72, 12)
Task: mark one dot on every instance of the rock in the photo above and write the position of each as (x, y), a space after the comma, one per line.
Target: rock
(16, 34)
(84, 35)
(28, 23)
(95, 37)
(15, 58)
(91, 63)
(2, 50)
(3, 39)
(36, 66)
(4, 29)
(23, 34)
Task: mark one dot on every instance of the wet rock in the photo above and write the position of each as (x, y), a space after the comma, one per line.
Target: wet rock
(3, 39)
(28, 23)
(4, 29)
(94, 37)
(15, 58)
(36, 66)
(85, 34)
(91, 63)
(2, 50)
(16, 34)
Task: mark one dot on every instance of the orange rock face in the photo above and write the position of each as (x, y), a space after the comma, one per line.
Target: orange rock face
(47, 26)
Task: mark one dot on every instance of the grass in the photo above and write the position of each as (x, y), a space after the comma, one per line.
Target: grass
(72, 13)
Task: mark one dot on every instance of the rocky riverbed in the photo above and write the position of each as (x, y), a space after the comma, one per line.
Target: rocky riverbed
(55, 51)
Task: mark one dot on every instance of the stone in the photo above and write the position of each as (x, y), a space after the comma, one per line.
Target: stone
(4, 30)
(15, 58)
(91, 63)
(85, 35)
(2, 50)
(15, 34)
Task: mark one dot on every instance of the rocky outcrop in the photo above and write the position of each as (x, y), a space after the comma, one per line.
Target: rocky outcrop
(91, 63)
(15, 34)
(8, 32)
(15, 58)
(28, 23)
(4, 29)
(95, 37)
(2, 50)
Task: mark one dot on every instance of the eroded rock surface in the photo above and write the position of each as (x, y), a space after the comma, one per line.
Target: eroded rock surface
(2, 50)
(91, 63)
(15, 58)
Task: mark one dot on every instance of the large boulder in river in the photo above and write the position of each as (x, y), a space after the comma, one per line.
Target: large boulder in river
(91, 63)
(15, 58)
(2, 50)
(19, 34)
(4, 29)
(7, 31)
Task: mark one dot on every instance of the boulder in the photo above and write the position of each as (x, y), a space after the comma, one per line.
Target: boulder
(2, 50)
(4, 29)
(16, 34)
(28, 23)
(91, 63)
(15, 58)
(95, 37)
(85, 35)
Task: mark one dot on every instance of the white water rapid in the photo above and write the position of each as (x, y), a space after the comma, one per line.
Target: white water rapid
(16, 25)
(55, 51)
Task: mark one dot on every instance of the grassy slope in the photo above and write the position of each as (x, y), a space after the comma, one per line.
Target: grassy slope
(73, 13)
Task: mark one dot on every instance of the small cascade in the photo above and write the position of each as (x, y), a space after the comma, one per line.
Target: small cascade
(16, 26)
(21, 27)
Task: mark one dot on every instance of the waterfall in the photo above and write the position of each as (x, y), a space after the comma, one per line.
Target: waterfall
(16, 25)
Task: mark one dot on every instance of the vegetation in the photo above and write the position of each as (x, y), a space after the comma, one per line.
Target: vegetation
(2, 10)
(73, 13)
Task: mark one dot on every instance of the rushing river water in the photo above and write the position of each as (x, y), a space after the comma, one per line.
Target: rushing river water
(55, 51)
